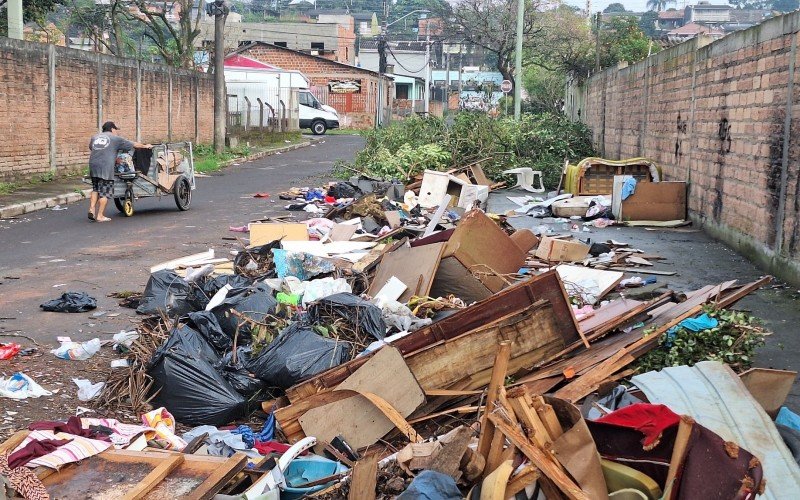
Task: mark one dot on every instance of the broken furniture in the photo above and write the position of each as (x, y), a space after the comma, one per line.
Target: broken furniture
(527, 179)
(656, 201)
(595, 176)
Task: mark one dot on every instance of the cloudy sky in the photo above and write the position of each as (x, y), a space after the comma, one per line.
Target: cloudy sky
(634, 5)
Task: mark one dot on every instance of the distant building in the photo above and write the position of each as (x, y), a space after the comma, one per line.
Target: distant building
(333, 41)
(670, 19)
(706, 13)
(691, 30)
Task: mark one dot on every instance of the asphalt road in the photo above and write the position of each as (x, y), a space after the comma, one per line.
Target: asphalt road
(49, 252)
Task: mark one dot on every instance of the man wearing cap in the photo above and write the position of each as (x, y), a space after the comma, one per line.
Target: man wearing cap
(103, 149)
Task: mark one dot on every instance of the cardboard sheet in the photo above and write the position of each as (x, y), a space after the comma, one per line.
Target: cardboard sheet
(660, 201)
(262, 233)
(557, 250)
(418, 276)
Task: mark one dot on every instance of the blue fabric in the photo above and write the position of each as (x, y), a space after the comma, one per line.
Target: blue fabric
(702, 322)
(249, 437)
(628, 188)
(788, 418)
(431, 485)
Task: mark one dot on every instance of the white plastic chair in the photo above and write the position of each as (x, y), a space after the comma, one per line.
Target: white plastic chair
(526, 177)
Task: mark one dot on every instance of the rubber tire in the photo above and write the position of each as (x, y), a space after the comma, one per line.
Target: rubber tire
(119, 205)
(318, 127)
(127, 203)
(182, 190)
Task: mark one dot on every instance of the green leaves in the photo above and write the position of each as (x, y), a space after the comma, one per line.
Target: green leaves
(734, 341)
(408, 147)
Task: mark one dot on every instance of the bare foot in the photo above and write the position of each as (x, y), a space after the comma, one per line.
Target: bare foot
(102, 219)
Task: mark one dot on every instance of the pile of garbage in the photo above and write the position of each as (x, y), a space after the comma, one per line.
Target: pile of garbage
(403, 347)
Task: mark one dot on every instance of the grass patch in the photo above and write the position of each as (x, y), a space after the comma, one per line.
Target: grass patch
(343, 131)
(8, 187)
(206, 160)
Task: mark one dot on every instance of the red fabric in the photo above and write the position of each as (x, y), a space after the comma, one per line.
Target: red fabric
(268, 447)
(72, 426)
(34, 449)
(239, 61)
(650, 420)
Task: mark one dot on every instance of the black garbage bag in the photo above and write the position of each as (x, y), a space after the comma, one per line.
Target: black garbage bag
(296, 354)
(71, 302)
(166, 292)
(207, 325)
(362, 315)
(257, 262)
(207, 287)
(344, 190)
(255, 304)
(245, 382)
(186, 383)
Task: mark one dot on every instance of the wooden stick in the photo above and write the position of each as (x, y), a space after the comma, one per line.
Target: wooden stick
(525, 478)
(541, 459)
(521, 403)
(679, 450)
(365, 478)
(496, 383)
(154, 477)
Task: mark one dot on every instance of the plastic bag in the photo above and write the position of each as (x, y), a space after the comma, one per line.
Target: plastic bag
(186, 383)
(255, 305)
(21, 386)
(297, 353)
(87, 390)
(165, 292)
(364, 316)
(245, 383)
(71, 302)
(8, 351)
(77, 350)
(206, 323)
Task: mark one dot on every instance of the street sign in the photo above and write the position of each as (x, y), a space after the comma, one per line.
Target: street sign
(506, 86)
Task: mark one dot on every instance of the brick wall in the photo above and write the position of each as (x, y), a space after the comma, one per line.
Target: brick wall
(714, 114)
(356, 110)
(90, 89)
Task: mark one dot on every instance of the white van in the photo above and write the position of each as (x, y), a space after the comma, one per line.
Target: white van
(315, 115)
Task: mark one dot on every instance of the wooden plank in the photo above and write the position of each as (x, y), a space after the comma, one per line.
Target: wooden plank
(467, 361)
(494, 486)
(199, 477)
(448, 460)
(385, 374)
(364, 479)
(505, 303)
(679, 450)
(156, 476)
(521, 480)
(522, 405)
(639, 270)
(541, 459)
(502, 355)
(16, 439)
(263, 233)
(417, 277)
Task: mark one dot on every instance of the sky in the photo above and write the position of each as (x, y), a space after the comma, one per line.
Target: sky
(633, 5)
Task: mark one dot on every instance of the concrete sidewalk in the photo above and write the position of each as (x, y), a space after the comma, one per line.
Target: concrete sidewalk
(31, 197)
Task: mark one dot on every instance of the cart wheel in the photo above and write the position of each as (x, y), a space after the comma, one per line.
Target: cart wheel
(119, 203)
(183, 193)
(126, 203)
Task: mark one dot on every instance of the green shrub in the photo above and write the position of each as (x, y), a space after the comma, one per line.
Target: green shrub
(540, 142)
(734, 341)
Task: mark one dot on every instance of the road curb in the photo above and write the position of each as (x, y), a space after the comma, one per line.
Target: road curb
(262, 154)
(18, 209)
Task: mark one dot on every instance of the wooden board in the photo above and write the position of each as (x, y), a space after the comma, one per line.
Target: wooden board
(468, 359)
(385, 374)
(574, 276)
(415, 267)
(505, 304)
(343, 232)
(769, 387)
(365, 478)
(111, 475)
(263, 233)
(199, 477)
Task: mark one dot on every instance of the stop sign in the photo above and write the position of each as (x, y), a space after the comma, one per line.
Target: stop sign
(506, 86)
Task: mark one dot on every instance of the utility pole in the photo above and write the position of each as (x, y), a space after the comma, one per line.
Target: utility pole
(446, 79)
(460, 73)
(14, 13)
(518, 62)
(427, 69)
(597, 45)
(219, 9)
(381, 71)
